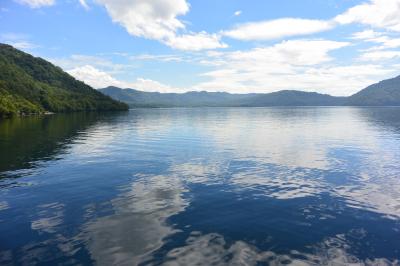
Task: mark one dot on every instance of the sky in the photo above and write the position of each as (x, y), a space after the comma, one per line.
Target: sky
(335, 47)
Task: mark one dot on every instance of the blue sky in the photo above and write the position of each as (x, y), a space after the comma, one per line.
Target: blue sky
(328, 46)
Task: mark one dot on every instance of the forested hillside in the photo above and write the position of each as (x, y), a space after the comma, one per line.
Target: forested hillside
(32, 85)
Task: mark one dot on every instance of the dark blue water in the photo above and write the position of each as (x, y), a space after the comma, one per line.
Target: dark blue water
(218, 186)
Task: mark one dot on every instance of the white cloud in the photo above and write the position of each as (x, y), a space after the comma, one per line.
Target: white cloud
(379, 52)
(390, 42)
(376, 13)
(196, 42)
(101, 79)
(155, 19)
(23, 45)
(380, 55)
(78, 60)
(385, 42)
(19, 41)
(84, 4)
(299, 65)
(295, 52)
(94, 77)
(366, 35)
(36, 3)
(279, 28)
(237, 13)
(158, 20)
(162, 58)
(151, 85)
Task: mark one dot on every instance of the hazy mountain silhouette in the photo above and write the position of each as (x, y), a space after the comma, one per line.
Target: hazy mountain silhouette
(384, 93)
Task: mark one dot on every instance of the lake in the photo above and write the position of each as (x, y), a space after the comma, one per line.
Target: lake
(211, 186)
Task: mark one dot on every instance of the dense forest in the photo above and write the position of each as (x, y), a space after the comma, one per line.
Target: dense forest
(31, 85)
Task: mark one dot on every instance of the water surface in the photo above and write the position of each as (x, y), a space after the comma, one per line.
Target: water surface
(215, 186)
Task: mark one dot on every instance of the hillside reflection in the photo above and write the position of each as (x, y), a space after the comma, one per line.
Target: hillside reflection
(27, 140)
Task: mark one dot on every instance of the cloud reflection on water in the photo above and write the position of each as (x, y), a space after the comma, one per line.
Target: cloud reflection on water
(212, 249)
(138, 225)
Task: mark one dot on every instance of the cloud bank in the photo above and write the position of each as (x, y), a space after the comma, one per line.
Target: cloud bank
(158, 20)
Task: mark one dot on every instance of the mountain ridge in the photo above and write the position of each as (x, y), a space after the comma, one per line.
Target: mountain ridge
(383, 93)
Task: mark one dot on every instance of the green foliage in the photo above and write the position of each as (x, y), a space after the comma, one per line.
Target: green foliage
(14, 104)
(30, 85)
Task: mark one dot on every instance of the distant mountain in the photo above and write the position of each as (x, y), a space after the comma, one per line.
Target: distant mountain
(292, 98)
(32, 85)
(384, 93)
(137, 98)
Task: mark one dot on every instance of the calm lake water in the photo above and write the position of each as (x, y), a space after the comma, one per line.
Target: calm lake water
(212, 186)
